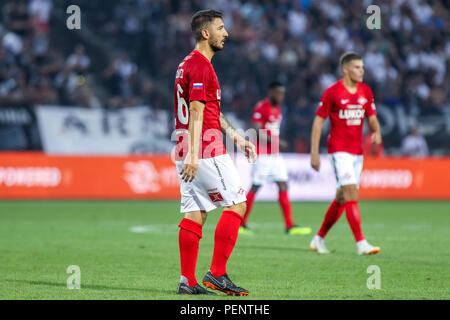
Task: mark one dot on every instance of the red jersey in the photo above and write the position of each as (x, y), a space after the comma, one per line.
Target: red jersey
(196, 80)
(347, 112)
(270, 119)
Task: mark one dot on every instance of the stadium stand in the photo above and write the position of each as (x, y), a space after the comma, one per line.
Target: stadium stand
(127, 52)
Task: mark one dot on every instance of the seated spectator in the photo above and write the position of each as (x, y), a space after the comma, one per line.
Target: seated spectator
(42, 92)
(78, 61)
(414, 145)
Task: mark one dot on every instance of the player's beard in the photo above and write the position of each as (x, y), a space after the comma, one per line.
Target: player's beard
(215, 46)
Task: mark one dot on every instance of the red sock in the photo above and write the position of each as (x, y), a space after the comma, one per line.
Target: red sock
(189, 238)
(250, 200)
(354, 219)
(287, 209)
(333, 214)
(224, 240)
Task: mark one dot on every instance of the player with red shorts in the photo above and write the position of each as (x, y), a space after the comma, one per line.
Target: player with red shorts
(347, 102)
(208, 176)
(270, 166)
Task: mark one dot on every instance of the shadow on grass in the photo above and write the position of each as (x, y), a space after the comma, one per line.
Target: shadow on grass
(91, 286)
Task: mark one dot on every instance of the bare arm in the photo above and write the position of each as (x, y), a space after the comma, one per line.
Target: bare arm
(374, 126)
(245, 146)
(227, 129)
(190, 166)
(315, 142)
(264, 137)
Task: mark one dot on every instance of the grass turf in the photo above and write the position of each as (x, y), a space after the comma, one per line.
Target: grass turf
(39, 240)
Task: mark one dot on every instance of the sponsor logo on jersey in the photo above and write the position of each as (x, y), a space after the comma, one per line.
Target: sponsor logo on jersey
(362, 100)
(353, 122)
(351, 113)
(344, 101)
(354, 106)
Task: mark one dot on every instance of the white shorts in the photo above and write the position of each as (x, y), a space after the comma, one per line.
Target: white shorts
(269, 168)
(347, 168)
(216, 184)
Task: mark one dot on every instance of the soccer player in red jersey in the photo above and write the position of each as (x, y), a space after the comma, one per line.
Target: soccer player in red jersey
(208, 176)
(347, 102)
(270, 166)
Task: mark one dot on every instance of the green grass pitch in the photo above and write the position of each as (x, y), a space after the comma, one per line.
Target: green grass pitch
(39, 240)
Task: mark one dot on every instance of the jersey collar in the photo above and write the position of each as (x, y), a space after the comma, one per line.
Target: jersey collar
(341, 81)
(201, 55)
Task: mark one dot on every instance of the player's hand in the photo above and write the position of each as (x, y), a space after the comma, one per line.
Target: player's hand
(376, 138)
(315, 161)
(189, 169)
(284, 145)
(248, 149)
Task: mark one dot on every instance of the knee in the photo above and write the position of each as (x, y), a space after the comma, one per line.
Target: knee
(282, 186)
(340, 197)
(254, 188)
(204, 216)
(196, 216)
(353, 196)
(239, 208)
(242, 207)
(350, 193)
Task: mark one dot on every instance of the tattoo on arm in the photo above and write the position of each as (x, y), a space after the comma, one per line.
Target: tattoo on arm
(226, 126)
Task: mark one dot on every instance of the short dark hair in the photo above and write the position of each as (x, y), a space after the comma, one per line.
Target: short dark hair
(274, 84)
(347, 57)
(201, 19)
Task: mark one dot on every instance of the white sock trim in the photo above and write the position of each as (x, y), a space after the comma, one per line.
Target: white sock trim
(184, 280)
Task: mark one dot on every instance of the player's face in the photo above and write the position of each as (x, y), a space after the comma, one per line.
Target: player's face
(355, 70)
(277, 94)
(217, 34)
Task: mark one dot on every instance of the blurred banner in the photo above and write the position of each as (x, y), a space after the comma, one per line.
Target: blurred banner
(381, 178)
(74, 130)
(304, 182)
(40, 176)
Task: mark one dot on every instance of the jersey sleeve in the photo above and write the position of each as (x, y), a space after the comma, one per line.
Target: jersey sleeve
(370, 104)
(325, 105)
(199, 79)
(258, 115)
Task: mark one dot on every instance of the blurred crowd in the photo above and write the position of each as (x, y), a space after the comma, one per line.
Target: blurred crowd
(32, 69)
(297, 42)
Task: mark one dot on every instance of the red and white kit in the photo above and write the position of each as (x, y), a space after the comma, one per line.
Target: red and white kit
(217, 182)
(269, 166)
(345, 141)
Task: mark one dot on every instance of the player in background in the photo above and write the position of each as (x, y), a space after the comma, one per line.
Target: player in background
(346, 102)
(371, 149)
(208, 176)
(270, 166)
